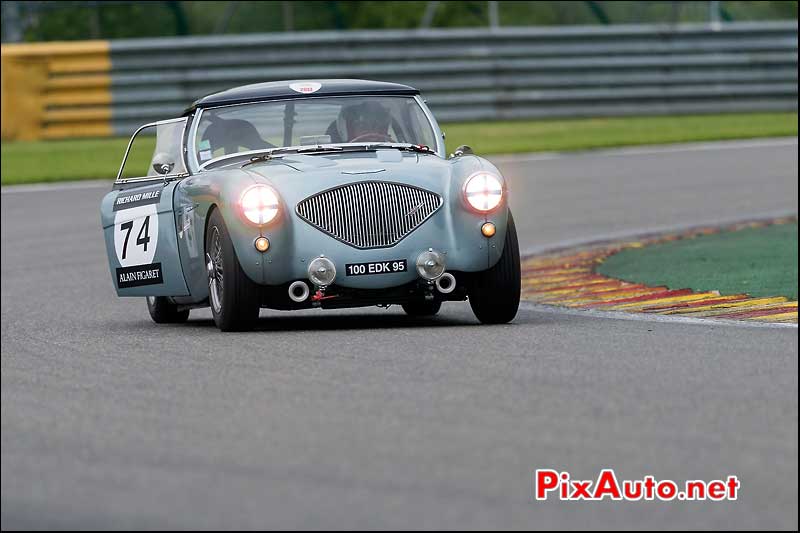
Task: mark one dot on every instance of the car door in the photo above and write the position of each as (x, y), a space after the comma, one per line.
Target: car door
(138, 215)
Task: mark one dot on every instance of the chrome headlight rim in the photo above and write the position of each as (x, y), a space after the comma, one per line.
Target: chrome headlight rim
(499, 192)
(273, 206)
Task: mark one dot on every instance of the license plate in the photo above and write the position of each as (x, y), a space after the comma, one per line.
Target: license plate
(376, 267)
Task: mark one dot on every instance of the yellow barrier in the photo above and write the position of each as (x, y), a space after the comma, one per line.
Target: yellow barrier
(56, 90)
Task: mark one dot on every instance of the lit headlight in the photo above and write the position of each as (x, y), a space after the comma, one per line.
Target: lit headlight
(483, 191)
(259, 204)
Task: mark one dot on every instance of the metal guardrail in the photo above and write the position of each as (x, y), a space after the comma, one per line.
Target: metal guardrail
(465, 74)
(471, 74)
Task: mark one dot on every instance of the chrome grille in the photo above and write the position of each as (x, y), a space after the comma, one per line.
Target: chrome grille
(369, 214)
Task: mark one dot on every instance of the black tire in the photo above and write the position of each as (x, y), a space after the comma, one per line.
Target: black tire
(162, 311)
(422, 308)
(234, 298)
(494, 293)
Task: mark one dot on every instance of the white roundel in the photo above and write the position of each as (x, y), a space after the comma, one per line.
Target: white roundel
(136, 235)
(305, 87)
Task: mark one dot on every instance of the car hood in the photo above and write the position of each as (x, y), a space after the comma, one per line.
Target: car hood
(298, 176)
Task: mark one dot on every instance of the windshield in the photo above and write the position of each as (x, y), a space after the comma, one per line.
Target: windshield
(310, 122)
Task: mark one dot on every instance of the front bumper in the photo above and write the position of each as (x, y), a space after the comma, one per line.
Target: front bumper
(338, 297)
(294, 244)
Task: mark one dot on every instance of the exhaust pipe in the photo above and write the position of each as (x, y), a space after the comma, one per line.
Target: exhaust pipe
(298, 291)
(446, 283)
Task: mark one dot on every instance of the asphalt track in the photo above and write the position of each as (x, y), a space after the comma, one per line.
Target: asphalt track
(369, 419)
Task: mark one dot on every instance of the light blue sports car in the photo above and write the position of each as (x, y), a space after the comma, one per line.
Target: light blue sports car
(301, 194)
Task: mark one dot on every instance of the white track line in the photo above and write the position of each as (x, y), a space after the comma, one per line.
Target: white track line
(62, 186)
(655, 230)
(648, 150)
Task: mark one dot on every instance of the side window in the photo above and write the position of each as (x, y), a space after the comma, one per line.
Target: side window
(155, 151)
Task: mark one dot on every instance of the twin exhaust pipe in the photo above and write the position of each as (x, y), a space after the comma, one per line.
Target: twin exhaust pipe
(299, 290)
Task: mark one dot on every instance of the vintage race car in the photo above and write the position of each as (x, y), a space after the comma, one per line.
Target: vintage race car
(302, 194)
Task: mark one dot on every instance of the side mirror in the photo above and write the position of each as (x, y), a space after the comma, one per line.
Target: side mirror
(163, 168)
(462, 150)
(162, 165)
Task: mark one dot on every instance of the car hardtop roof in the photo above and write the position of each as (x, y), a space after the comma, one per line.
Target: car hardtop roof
(276, 90)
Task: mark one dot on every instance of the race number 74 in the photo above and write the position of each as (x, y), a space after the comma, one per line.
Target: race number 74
(142, 239)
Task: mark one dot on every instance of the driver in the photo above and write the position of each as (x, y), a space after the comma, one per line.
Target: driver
(367, 121)
(233, 135)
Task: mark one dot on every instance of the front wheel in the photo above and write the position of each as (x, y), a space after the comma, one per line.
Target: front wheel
(234, 298)
(494, 294)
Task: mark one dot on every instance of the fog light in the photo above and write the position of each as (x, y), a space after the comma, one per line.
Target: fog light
(430, 264)
(488, 229)
(321, 271)
(262, 244)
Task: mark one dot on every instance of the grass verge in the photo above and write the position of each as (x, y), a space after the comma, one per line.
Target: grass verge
(758, 261)
(581, 134)
(75, 159)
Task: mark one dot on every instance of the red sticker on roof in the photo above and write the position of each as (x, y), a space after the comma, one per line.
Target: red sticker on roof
(306, 87)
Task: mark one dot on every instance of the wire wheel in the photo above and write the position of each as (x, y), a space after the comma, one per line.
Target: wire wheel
(215, 270)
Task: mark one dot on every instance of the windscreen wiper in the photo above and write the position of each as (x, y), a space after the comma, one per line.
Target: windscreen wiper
(405, 146)
(319, 148)
(420, 148)
(258, 158)
(294, 149)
